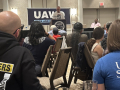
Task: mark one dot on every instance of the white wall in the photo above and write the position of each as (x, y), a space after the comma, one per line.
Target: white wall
(21, 6)
(1, 5)
(104, 15)
(95, 3)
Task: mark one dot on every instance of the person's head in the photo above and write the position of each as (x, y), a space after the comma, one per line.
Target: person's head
(78, 27)
(108, 25)
(55, 31)
(98, 34)
(58, 9)
(10, 23)
(96, 20)
(36, 31)
(53, 26)
(113, 40)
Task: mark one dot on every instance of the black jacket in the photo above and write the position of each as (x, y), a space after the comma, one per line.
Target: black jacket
(80, 57)
(17, 66)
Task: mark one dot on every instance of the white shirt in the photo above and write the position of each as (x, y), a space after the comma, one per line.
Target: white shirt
(93, 25)
(60, 15)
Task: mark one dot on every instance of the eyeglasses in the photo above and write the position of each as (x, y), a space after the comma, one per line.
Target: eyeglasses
(16, 30)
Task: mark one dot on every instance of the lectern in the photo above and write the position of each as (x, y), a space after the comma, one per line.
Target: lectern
(59, 23)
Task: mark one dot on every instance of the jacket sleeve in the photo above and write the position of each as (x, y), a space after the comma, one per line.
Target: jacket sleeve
(29, 78)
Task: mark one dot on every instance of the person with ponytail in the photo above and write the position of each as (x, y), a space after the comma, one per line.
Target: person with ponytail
(38, 42)
(75, 38)
(94, 43)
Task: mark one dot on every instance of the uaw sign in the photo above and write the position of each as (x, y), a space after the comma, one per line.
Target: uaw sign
(45, 15)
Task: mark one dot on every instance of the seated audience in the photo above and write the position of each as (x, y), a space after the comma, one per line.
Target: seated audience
(75, 38)
(104, 41)
(60, 32)
(17, 64)
(55, 32)
(94, 43)
(51, 30)
(107, 68)
(38, 42)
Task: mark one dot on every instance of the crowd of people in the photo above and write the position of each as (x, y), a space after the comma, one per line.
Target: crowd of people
(23, 63)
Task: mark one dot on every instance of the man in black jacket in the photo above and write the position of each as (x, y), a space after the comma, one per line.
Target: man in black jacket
(17, 66)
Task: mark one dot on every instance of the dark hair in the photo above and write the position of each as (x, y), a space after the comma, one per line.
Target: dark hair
(75, 36)
(36, 31)
(78, 26)
(74, 42)
(55, 31)
(108, 25)
(97, 34)
(113, 39)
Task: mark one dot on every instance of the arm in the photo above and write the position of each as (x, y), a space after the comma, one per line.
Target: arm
(29, 78)
(98, 75)
(101, 87)
(99, 50)
(50, 36)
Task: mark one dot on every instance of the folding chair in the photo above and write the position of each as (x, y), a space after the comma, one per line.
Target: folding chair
(59, 70)
(89, 57)
(90, 62)
(76, 71)
(56, 49)
(46, 61)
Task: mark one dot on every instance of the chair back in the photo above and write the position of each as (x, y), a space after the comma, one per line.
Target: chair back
(61, 64)
(46, 60)
(58, 44)
(89, 57)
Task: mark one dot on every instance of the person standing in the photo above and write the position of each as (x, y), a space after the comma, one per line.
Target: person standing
(59, 14)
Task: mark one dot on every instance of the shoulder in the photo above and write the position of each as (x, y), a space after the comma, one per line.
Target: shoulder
(21, 49)
(98, 46)
(26, 40)
(22, 52)
(50, 31)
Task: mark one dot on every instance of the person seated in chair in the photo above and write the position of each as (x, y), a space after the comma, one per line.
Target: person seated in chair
(38, 42)
(94, 43)
(75, 38)
(107, 68)
(60, 32)
(51, 30)
(55, 32)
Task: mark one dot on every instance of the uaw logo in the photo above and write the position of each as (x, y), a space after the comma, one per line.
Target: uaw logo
(60, 25)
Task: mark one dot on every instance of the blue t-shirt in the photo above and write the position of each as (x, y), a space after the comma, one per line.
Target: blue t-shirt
(107, 71)
(39, 51)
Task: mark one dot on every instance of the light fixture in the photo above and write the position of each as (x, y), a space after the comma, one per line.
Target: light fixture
(14, 10)
(73, 11)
